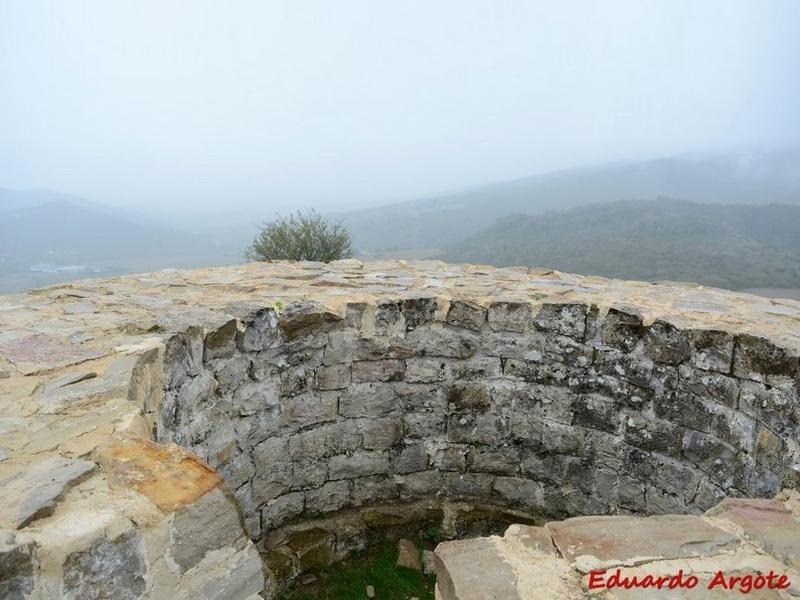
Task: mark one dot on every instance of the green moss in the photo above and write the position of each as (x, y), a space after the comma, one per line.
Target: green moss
(348, 580)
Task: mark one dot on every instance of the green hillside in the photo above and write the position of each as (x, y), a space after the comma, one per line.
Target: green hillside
(731, 246)
(440, 221)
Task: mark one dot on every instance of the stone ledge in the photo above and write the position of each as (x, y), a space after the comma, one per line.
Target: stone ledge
(523, 565)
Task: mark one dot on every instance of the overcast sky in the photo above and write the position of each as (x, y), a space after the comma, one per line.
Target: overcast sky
(163, 105)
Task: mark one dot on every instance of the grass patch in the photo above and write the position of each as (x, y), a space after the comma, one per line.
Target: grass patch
(348, 580)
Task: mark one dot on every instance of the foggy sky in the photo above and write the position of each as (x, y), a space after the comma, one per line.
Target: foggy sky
(165, 105)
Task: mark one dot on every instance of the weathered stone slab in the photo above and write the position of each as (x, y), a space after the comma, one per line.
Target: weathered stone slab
(767, 522)
(34, 492)
(474, 570)
(170, 476)
(618, 539)
(533, 538)
(300, 318)
(208, 524)
(745, 564)
(408, 555)
(239, 577)
(107, 569)
(36, 352)
(468, 315)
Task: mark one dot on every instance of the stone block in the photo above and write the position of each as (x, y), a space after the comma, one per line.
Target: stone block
(469, 396)
(479, 367)
(597, 412)
(239, 576)
(474, 570)
(709, 386)
(35, 352)
(565, 319)
(424, 484)
(667, 344)
(33, 492)
(524, 493)
(615, 540)
(378, 370)
(341, 437)
(654, 435)
(339, 348)
(381, 434)
(358, 464)
(761, 360)
(418, 311)
(769, 523)
(305, 317)
(465, 314)
(425, 370)
(309, 409)
(278, 511)
(230, 372)
(408, 555)
(423, 425)
(210, 523)
(536, 539)
(448, 457)
(509, 316)
(712, 350)
(375, 489)
(260, 331)
(312, 548)
(388, 317)
(409, 459)
(332, 377)
(622, 329)
(367, 400)
(330, 497)
(369, 348)
(17, 565)
(713, 456)
(220, 342)
(468, 485)
(273, 468)
(474, 429)
(108, 568)
(503, 460)
(445, 342)
(418, 397)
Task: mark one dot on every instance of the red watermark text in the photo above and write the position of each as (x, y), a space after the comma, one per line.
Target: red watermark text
(743, 582)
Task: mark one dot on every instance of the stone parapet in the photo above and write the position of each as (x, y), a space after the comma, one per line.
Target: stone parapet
(158, 431)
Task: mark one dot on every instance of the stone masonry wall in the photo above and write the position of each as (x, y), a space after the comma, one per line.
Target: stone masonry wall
(329, 400)
(552, 409)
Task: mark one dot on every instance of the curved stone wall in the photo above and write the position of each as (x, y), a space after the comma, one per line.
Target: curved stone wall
(555, 409)
(331, 399)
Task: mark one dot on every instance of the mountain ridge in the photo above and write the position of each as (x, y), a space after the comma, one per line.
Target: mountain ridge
(729, 246)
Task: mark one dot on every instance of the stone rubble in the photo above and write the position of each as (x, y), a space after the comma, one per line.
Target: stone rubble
(161, 433)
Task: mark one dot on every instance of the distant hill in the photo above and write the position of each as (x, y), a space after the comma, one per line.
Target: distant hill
(440, 221)
(731, 246)
(48, 237)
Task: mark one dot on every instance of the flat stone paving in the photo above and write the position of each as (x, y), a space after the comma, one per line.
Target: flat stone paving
(739, 538)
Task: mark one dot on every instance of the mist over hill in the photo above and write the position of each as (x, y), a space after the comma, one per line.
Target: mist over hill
(440, 221)
(730, 246)
(742, 233)
(47, 237)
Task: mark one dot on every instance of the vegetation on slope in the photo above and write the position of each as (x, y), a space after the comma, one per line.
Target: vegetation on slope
(349, 579)
(443, 220)
(732, 246)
